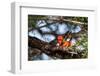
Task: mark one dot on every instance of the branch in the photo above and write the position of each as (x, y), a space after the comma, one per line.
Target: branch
(51, 50)
(76, 22)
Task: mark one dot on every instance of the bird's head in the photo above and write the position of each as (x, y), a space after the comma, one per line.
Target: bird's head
(60, 38)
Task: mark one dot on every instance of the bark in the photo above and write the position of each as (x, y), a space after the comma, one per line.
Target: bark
(51, 50)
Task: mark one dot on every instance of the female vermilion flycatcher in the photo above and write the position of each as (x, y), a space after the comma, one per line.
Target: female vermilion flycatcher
(66, 43)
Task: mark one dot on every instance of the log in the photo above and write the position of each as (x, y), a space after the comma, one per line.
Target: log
(51, 50)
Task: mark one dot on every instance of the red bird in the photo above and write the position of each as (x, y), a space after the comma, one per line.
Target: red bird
(59, 40)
